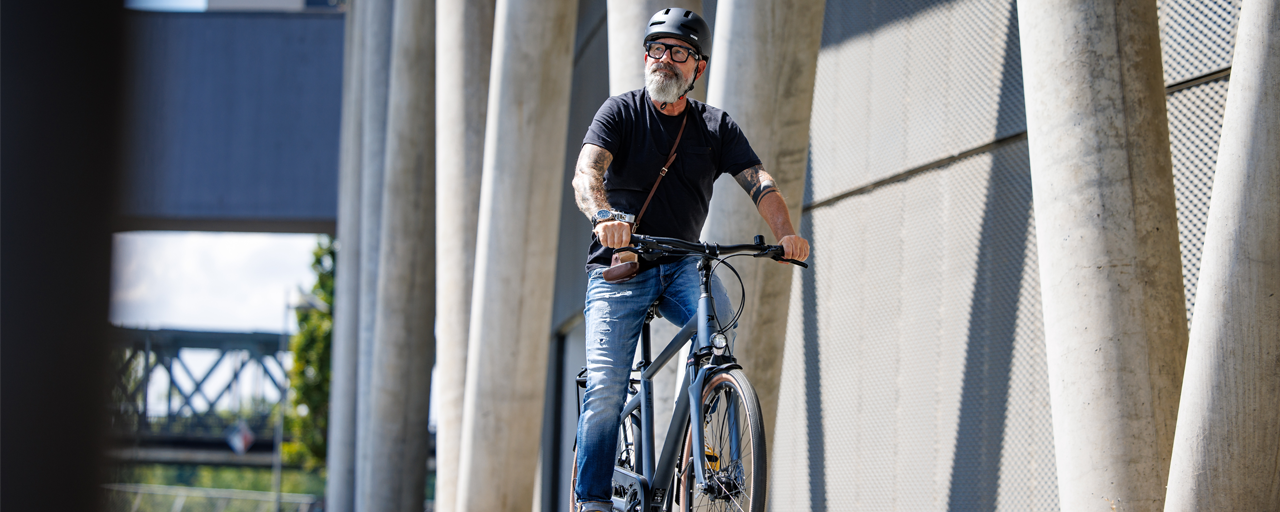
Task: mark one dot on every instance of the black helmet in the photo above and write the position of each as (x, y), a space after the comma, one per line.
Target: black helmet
(681, 24)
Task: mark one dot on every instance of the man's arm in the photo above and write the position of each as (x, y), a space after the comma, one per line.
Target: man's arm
(588, 189)
(588, 179)
(773, 208)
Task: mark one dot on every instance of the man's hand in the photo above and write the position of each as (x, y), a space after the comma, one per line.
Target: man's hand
(797, 248)
(616, 234)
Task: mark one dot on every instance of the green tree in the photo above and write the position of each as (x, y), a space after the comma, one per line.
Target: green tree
(308, 421)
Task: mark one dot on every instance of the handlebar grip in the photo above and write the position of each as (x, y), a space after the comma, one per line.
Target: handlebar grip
(798, 263)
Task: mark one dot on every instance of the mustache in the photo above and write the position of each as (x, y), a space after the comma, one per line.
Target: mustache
(664, 66)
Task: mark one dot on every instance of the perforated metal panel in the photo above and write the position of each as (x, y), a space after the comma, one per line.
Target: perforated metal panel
(900, 84)
(1195, 125)
(1196, 36)
(915, 376)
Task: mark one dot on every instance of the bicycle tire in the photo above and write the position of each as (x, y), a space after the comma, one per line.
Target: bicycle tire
(741, 482)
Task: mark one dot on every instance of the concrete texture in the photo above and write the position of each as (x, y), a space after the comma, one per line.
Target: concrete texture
(1115, 325)
(772, 50)
(464, 35)
(521, 191)
(1228, 430)
(376, 64)
(341, 451)
(404, 333)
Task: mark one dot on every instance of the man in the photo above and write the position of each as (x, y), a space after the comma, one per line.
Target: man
(622, 156)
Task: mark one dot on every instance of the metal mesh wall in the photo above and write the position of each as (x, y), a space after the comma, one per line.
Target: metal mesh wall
(1195, 125)
(914, 371)
(914, 374)
(900, 84)
(1196, 36)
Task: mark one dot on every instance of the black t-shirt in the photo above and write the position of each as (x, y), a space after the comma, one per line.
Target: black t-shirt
(639, 137)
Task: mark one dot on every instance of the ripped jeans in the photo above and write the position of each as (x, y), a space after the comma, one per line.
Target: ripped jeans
(614, 315)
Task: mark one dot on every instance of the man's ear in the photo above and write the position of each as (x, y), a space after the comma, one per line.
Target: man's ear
(702, 68)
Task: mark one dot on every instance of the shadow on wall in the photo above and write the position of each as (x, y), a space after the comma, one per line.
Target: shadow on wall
(992, 325)
(847, 20)
(993, 313)
(812, 366)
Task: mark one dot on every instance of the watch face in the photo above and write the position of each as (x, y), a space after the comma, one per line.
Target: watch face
(603, 214)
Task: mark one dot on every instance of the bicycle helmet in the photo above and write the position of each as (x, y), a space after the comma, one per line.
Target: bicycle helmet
(681, 24)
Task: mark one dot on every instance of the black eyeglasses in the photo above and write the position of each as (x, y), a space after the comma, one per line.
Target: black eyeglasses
(678, 53)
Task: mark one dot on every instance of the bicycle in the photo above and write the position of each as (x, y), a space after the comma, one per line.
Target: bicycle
(730, 471)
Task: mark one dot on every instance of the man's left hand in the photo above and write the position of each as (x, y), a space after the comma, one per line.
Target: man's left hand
(797, 248)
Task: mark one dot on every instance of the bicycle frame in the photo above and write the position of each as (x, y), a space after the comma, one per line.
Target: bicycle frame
(662, 470)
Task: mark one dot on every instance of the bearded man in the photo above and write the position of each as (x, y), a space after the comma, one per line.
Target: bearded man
(623, 186)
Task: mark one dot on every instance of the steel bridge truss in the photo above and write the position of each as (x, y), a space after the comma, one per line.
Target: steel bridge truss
(188, 422)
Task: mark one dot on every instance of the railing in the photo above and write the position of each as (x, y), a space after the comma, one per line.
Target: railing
(200, 497)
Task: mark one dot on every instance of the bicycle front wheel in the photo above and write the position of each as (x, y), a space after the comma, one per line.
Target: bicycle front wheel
(733, 443)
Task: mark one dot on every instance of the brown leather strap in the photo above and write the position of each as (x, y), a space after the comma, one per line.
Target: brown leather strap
(670, 158)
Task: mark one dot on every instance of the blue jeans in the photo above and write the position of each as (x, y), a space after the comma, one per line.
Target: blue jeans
(614, 315)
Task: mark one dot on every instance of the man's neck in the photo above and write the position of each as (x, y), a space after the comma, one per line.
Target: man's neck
(672, 109)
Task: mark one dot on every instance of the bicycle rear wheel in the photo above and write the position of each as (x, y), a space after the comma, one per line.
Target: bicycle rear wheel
(733, 438)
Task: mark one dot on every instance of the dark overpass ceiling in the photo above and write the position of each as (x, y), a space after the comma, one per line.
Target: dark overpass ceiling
(232, 121)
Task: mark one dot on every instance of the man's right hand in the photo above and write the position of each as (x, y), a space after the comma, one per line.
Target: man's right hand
(614, 234)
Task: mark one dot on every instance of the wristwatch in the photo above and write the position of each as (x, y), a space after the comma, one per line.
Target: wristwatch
(603, 215)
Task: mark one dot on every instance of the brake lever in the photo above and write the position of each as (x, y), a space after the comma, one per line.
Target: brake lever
(773, 255)
(797, 263)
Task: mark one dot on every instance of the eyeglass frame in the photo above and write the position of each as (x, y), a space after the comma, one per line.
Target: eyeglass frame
(667, 51)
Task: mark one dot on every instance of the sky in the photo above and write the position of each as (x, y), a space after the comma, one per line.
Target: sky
(230, 282)
(235, 282)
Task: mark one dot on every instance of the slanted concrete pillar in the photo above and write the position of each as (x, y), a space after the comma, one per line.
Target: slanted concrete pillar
(341, 452)
(404, 337)
(376, 70)
(1228, 437)
(771, 48)
(628, 20)
(520, 195)
(464, 42)
(1110, 272)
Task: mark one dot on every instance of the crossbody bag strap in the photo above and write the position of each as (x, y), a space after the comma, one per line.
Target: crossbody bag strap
(670, 158)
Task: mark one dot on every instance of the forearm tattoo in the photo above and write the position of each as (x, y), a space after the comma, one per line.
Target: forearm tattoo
(757, 183)
(588, 179)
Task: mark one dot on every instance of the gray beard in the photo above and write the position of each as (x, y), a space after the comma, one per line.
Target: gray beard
(664, 88)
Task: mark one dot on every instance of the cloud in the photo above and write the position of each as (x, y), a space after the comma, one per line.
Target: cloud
(208, 281)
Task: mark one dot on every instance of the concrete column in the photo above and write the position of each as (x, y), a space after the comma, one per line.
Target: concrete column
(376, 71)
(516, 244)
(340, 458)
(464, 42)
(1228, 436)
(772, 48)
(404, 337)
(628, 20)
(1110, 272)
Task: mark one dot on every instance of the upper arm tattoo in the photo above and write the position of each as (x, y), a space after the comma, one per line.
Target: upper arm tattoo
(588, 179)
(757, 183)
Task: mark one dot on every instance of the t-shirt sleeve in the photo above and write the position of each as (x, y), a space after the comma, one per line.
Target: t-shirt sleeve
(606, 128)
(736, 154)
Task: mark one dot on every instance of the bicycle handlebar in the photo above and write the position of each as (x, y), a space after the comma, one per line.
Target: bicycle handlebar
(652, 247)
